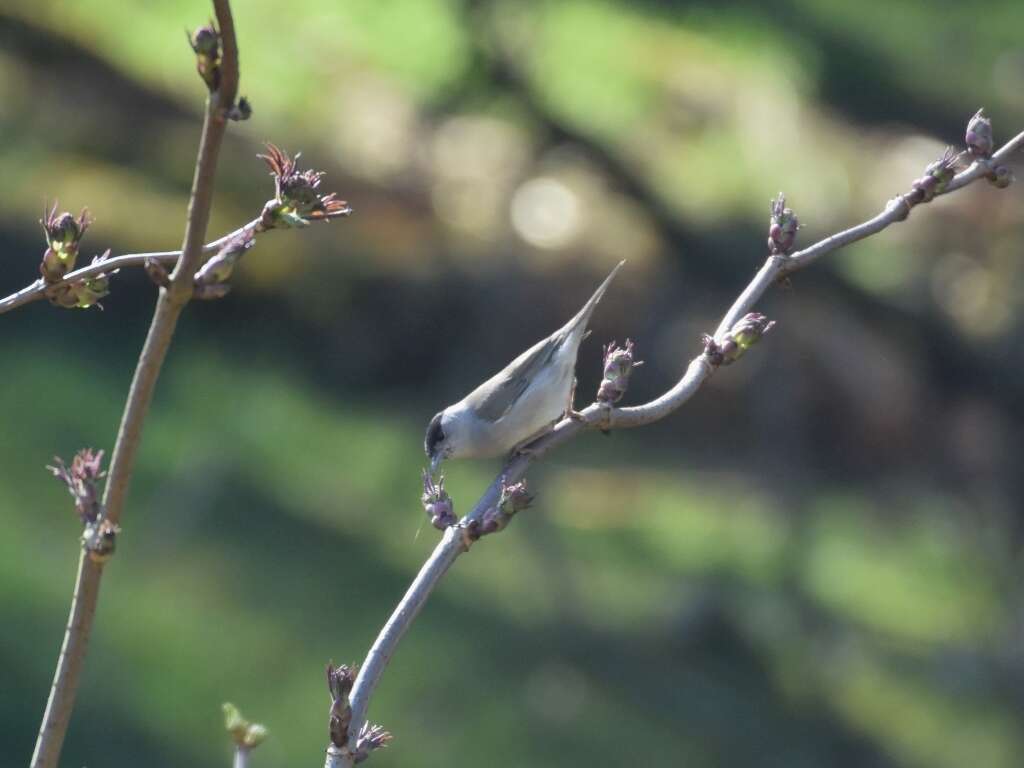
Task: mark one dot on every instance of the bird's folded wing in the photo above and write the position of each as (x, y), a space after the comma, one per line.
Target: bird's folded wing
(496, 396)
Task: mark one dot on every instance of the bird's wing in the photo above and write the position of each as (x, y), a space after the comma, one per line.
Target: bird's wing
(493, 399)
(496, 396)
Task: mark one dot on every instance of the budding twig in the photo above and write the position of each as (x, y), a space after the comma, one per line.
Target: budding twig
(736, 332)
(169, 306)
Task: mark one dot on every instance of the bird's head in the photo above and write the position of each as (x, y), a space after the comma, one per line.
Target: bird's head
(439, 442)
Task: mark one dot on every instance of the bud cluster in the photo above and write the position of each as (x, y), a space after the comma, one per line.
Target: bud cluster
(741, 337)
(437, 503)
(782, 227)
(246, 735)
(514, 498)
(63, 234)
(82, 480)
(296, 200)
(618, 365)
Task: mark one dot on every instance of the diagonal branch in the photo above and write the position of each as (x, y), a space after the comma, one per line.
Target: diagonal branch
(600, 416)
(169, 306)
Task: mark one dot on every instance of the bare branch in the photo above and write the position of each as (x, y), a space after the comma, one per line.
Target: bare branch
(169, 306)
(602, 415)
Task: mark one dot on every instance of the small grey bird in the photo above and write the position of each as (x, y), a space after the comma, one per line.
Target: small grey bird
(518, 404)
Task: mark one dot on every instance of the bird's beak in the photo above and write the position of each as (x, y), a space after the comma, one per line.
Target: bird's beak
(435, 462)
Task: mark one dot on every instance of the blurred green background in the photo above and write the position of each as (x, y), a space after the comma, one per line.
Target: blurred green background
(816, 562)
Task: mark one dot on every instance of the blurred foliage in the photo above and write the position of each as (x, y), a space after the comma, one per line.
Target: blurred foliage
(819, 563)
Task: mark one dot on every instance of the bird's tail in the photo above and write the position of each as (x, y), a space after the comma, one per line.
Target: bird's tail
(583, 316)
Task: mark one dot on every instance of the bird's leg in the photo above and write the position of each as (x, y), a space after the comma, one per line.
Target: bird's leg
(570, 412)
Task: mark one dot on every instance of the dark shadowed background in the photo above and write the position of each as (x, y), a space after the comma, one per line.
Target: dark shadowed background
(816, 562)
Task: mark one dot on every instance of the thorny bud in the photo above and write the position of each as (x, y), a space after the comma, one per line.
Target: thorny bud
(743, 335)
(371, 737)
(246, 735)
(340, 680)
(437, 503)
(618, 365)
(1001, 177)
(63, 234)
(937, 176)
(979, 135)
(218, 269)
(296, 201)
(205, 43)
(782, 227)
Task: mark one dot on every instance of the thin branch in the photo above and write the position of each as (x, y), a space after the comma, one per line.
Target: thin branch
(169, 306)
(896, 210)
(453, 542)
(39, 289)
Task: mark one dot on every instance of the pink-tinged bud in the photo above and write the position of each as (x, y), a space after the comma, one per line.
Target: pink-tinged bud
(782, 227)
(82, 481)
(618, 366)
(514, 498)
(1001, 177)
(979, 135)
(437, 503)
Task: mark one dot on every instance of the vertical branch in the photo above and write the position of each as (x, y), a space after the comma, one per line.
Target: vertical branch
(170, 303)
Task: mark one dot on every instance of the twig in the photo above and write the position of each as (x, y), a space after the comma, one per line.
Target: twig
(601, 416)
(777, 267)
(39, 289)
(169, 306)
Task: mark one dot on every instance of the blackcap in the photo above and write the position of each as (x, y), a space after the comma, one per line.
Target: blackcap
(519, 403)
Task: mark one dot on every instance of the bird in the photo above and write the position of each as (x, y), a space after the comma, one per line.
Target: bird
(519, 403)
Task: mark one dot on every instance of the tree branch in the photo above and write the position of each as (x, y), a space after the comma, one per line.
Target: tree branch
(170, 303)
(598, 415)
(39, 289)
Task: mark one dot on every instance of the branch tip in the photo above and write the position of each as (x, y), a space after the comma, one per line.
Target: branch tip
(296, 201)
(782, 227)
(617, 367)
